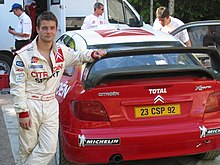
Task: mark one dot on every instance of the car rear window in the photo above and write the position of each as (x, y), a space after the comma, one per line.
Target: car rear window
(124, 66)
(147, 62)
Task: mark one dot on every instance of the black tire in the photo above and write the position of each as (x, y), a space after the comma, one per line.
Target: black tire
(63, 160)
(5, 64)
(59, 156)
(209, 155)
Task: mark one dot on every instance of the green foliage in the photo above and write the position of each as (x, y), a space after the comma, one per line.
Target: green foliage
(142, 7)
(197, 10)
(187, 10)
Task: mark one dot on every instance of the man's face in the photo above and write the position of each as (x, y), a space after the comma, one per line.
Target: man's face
(164, 21)
(100, 10)
(16, 12)
(47, 30)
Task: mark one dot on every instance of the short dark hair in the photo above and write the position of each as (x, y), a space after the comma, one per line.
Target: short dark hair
(46, 15)
(98, 5)
(162, 12)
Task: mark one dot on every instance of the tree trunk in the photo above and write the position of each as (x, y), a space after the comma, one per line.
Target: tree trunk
(151, 12)
(171, 7)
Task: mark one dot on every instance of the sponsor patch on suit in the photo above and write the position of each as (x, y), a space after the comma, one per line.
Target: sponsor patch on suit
(19, 63)
(36, 66)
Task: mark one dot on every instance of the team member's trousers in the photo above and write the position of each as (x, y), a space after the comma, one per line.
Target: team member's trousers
(38, 145)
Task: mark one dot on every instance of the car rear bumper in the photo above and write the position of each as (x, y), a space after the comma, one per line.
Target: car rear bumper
(139, 143)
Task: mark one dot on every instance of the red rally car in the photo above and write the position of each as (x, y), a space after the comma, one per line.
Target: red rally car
(139, 102)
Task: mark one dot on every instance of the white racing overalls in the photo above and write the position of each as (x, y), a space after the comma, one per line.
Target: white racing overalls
(33, 85)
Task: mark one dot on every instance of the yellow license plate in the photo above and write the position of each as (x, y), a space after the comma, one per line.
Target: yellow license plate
(154, 111)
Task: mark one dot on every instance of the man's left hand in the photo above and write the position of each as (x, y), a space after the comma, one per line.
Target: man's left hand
(99, 53)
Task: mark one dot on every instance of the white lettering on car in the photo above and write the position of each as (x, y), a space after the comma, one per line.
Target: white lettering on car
(158, 91)
(63, 89)
(200, 88)
(83, 141)
(204, 132)
(102, 94)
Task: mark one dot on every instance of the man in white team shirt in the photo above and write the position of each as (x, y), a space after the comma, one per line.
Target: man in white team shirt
(94, 20)
(164, 22)
(22, 33)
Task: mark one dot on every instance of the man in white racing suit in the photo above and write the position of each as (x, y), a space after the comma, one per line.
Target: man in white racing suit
(36, 72)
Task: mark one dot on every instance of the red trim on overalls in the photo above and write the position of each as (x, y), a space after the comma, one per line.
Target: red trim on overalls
(23, 114)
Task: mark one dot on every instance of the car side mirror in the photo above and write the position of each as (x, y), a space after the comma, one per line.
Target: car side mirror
(140, 23)
(136, 23)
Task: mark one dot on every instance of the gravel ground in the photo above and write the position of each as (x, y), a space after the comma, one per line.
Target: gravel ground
(6, 156)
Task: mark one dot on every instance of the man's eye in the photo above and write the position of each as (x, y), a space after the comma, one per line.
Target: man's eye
(44, 28)
(53, 28)
(47, 28)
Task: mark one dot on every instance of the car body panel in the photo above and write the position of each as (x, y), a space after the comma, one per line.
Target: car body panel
(134, 145)
(120, 93)
(122, 38)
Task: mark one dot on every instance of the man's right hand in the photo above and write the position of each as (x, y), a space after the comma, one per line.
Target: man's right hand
(25, 123)
(13, 32)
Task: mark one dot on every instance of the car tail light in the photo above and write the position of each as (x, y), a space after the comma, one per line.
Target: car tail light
(89, 111)
(213, 103)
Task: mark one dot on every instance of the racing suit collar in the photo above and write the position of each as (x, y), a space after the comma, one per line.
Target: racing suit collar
(36, 52)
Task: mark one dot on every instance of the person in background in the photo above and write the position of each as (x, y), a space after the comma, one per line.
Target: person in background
(212, 38)
(30, 8)
(35, 74)
(94, 20)
(166, 23)
(27, 4)
(22, 32)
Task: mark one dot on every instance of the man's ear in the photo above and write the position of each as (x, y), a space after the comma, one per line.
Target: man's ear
(168, 19)
(37, 29)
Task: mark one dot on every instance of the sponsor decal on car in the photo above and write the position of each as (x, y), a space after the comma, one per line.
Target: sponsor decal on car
(208, 132)
(102, 94)
(63, 89)
(158, 91)
(200, 88)
(85, 73)
(158, 98)
(83, 141)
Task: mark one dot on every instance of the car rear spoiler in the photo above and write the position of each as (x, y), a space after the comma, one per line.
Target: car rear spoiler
(213, 73)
